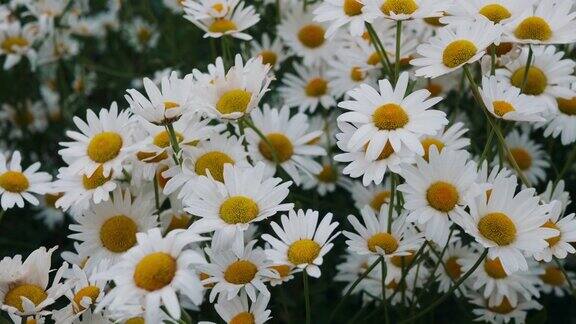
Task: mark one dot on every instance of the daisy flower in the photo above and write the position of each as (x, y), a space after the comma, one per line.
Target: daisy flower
(374, 238)
(174, 217)
(209, 8)
(556, 191)
(235, 269)
(508, 224)
(437, 189)
(550, 22)
(450, 139)
(153, 272)
(244, 197)
(142, 35)
(390, 116)
(497, 11)
(455, 46)
(530, 156)
(162, 106)
(328, 179)
(288, 142)
(104, 142)
(503, 312)
(16, 41)
(353, 266)
(176, 6)
(25, 288)
(508, 103)
(108, 229)
(553, 280)
(30, 117)
(283, 273)
(548, 76)
(46, 11)
(238, 310)
(304, 37)
(560, 245)
(563, 121)
(373, 195)
(271, 51)
(302, 242)
(308, 88)
(349, 70)
(454, 260)
(406, 9)
(51, 216)
(236, 20)
(16, 185)
(340, 13)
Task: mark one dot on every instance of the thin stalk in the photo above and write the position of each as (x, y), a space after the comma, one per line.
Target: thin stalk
(2, 213)
(570, 284)
(431, 279)
(450, 291)
(410, 266)
(567, 165)
(263, 137)
(487, 147)
(527, 68)
(278, 14)
(391, 204)
(306, 295)
(156, 193)
(397, 58)
(174, 142)
(384, 303)
(379, 49)
(493, 59)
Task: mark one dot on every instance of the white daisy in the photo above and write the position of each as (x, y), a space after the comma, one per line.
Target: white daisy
(16, 41)
(29, 117)
(560, 245)
(302, 242)
(353, 266)
(454, 261)
(17, 185)
(556, 191)
(406, 9)
(51, 216)
(340, 13)
(236, 20)
(209, 8)
(530, 156)
(142, 35)
(446, 139)
(503, 312)
(272, 52)
(328, 179)
(308, 88)
(349, 70)
(373, 195)
(237, 310)
(553, 281)
(497, 11)
(563, 121)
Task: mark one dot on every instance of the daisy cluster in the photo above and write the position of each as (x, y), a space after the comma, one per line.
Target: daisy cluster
(411, 151)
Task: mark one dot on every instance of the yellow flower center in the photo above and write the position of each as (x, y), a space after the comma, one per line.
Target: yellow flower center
(170, 105)
(352, 7)
(204, 276)
(162, 139)
(503, 48)
(356, 74)
(522, 158)
(162, 180)
(374, 58)
(222, 26)
(118, 233)
(316, 87)
(503, 308)
(434, 88)
(458, 52)
(398, 7)
(389, 117)
(567, 106)
(494, 268)
(497, 227)
(214, 162)
(232, 101)
(144, 35)
(428, 142)
(385, 241)
(239, 210)
(31, 292)
(104, 147)
(553, 276)
(50, 199)
(218, 7)
(536, 81)
(379, 199)
(303, 251)
(534, 28)
(405, 260)
(269, 57)
(283, 270)
(442, 196)
(434, 21)
(554, 239)
(14, 181)
(96, 180)
(151, 157)
(135, 320)
(10, 42)
(311, 35)
(386, 152)
(495, 12)
(155, 271)
(179, 222)
(91, 292)
(281, 145)
(453, 269)
(328, 174)
(501, 108)
(243, 318)
(240, 272)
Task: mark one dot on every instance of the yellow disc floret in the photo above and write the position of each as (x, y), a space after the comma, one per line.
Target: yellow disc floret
(96, 180)
(311, 35)
(494, 268)
(428, 142)
(522, 158)
(534, 28)
(91, 292)
(104, 147)
(442, 196)
(238, 210)
(458, 52)
(567, 106)
(214, 162)
(222, 26)
(232, 101)
(33, 293)
(14, 181)
(385, 241)
(553, 276)
(503, 308)
(10, 44)
(240, 272)
(554, 239)
(497, 227)
(269, 57)
(243, 318)
(303, 251)
(352, 7)
(162, 139)
(389, 117)
(398, 7)
(501, 108)
(536, 81)
(118, 233)
(316, 87)
(453, 268)
(155, 271)
(328, 174)
(281, 145)
(495, 12)
(379, 199)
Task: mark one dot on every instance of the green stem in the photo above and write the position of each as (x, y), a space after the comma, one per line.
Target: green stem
(156, 193)
(278, 12)
(493, 59)
(384, 303)
(397, 58)
(527, 68)
(408, 268)
(391, 204)
(174, 142)
(570, 284)
(431, 279)
(2, 213)
(306, 295)
(450, 291)
(379, 49)
(487, 147)
(567, 165)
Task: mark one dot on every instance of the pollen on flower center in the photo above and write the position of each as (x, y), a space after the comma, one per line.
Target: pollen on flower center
(311, 35)
(501, 108)
(553, 276)
(91, 292)
(104, 147)
(554, 239)
(96, 180)
(495, 12)
(458, 52)
(442, 196)
(434, 88)
(240, 272)
(398, 7)
(232, 101)
(434, 21)
(522, 158)
(9, 44)
(328, 174)
(162, 139)
(504, 308)
(155, 271)
(403, 261)
(453, 268)
(387, 151)
(497, 227)
(282, 147)
(243, 318)
(151, 157)
(389, 117)
(239, 210)
(379, 199)
(135, 320)
(536, 81)
(534, 28)
(218, 7)
(494, 269)
(352, 7)
(179, 222)
(374, 58)
(303, 251)
(567, 106)
(214, 162)
(356, 74)
(50, 199)
(385, 241)
(222, 26)
(14, 181)
(144, 35)
(428, 142)
(31, 292)
(282, 269)
(118, 233)
(170, 105)
(269, 57)
(316, 87)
